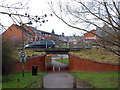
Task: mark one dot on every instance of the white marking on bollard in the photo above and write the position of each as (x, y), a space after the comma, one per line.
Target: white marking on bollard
(59, 69)
(53, 68)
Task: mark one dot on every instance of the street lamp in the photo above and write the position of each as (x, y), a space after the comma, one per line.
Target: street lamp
(30, 23)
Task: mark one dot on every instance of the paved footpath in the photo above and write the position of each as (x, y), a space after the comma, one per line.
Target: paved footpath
(58, 64)
(58, 80)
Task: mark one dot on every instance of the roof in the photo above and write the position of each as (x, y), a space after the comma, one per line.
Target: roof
(25, 31)
(70, 37)
(33, 28)
(105, 26)
(47, 32)
(30, 28)
(90, 32)
(42, 31)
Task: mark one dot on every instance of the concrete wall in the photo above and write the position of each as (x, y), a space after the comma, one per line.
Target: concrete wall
(77, 64)
(39, 61)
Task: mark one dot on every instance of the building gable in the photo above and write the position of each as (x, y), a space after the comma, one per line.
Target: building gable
(28, 29)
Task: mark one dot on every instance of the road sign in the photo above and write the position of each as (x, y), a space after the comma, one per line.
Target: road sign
(22, 56)
(86, 41)
(61, 57)
(94, 37)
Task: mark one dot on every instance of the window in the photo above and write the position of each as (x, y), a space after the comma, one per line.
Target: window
(31, 39)
(46, 34)
(28, 38)
(13, 37)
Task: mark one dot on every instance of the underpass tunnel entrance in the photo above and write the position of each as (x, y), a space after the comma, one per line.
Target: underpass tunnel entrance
(56, 62)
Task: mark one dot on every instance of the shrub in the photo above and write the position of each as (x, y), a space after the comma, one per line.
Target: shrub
(8, 58)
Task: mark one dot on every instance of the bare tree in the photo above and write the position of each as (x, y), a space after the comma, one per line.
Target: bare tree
(76, 13)
(17, 12)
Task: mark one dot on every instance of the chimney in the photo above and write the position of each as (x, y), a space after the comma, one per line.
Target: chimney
(62, 34)
(74, 35)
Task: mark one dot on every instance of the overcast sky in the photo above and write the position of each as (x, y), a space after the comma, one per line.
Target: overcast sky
(40, 7)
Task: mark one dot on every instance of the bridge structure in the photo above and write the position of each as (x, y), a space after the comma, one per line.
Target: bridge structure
(64, 47)
(58, 50)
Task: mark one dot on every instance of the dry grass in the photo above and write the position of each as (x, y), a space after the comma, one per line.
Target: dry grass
(29, 52)
(98, 55)
(33, 53)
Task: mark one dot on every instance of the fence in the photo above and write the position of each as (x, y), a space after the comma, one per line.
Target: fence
(67, 44)
(73, 44)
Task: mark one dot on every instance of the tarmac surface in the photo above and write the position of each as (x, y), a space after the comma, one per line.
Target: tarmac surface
(58, 64)
(59, 79)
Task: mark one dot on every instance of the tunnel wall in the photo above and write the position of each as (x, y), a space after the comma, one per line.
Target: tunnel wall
(78, 64)
(37, 60)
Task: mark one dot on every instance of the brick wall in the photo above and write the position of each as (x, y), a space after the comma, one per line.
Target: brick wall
(81, 65)
(39, 61)
(13, 30)
(90, 35)
(26, 28)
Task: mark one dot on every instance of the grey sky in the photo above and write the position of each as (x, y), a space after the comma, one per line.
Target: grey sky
(38, 7)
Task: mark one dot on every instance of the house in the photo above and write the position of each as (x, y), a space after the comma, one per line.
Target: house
(109, 33)
(30, 34)
(89, 36)
(105, 30)
(48, 36)
(1, 28)
(14, 34)
(72, 40)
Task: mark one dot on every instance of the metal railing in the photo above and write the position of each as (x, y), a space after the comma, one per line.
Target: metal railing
(65, 44)
(72, 44)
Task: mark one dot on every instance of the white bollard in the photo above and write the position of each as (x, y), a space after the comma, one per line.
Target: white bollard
(59, 69)
(46, 44)
(53, 68)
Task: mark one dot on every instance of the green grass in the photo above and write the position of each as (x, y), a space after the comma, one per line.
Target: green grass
(65, 60)
(99, 80)
(11, 81)
(0, 86)
(63, 46)
(98, 55)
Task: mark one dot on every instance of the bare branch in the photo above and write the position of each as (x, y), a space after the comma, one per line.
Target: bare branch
(78, 15)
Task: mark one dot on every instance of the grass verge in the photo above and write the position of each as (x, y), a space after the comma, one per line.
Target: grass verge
(99, 80)
(11, 81)
(63, 46)
(65, 60)
(97, 55)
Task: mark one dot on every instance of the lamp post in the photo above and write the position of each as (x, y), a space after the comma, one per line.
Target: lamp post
(23, 47)
(67, 42)
(22, 51)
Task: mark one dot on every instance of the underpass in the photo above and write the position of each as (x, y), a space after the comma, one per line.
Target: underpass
(55, 66)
